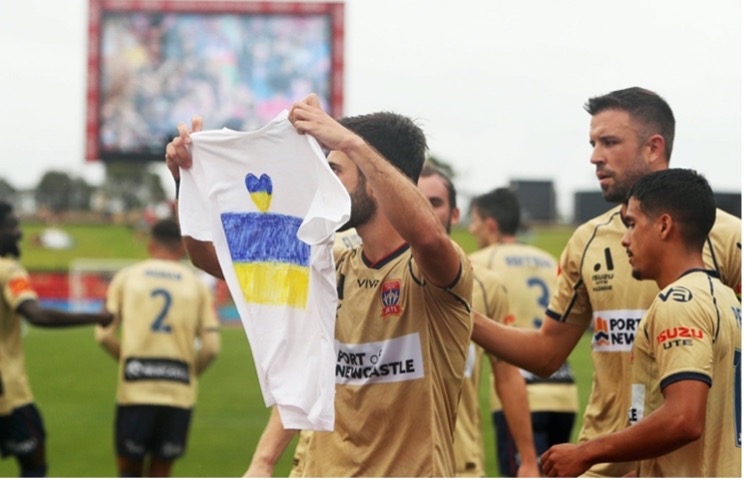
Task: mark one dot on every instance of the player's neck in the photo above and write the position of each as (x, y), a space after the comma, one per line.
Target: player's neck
(507, 239)
(499, 238)
(165, 255)
(379, 238)
(674, 266)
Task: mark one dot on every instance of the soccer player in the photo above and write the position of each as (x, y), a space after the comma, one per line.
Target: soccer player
(22, 432)
(685, 403)
(631, 132)
(530, 276)
(491, 298)
(162, 309)
(403, 319)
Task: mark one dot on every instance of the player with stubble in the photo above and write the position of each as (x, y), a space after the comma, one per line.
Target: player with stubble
(685, 406)
(631, 132)
(404, 295)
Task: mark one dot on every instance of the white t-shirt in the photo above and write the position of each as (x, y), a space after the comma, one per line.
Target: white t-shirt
(271, 205)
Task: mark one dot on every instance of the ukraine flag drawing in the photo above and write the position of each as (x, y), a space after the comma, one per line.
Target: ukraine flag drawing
(272, 265)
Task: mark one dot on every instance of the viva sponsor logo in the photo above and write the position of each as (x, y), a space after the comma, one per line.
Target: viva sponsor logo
(614, 330)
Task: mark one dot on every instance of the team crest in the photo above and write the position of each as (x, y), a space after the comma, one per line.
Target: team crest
(390, 296)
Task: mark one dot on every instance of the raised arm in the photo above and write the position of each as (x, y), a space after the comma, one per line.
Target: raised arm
(178, 156)
(407, 210)
(549, 347)
(202, 254)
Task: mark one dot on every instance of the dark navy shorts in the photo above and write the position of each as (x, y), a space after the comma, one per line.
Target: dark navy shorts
(158, 430)
(22, 432)
(549, 428)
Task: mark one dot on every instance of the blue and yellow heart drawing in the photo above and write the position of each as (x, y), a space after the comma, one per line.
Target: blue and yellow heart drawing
(260, 189)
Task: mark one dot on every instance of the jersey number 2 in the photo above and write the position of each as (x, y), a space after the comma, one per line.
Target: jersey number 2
(158, 325)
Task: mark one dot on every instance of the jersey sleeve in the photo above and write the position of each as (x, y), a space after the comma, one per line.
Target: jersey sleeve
(570, 302)
(16, 285)
(680, 333)
(460, 289)
(726, 238)
(114, 294)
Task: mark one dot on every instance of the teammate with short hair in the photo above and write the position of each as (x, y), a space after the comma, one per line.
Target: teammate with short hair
(403, 319)
(685, 393)
(491, 298)
(162, 310)
(22, 433)
(631, 132)
(530, 276)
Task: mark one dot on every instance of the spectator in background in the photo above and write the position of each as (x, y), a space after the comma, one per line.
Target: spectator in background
(22, 433)
(162, 309)
(530, 276)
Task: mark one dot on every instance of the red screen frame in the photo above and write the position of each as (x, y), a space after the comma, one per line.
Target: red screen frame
(97, 9)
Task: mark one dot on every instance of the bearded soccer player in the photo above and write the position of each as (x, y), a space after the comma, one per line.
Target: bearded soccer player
(685, 392)
(631, 133)
(22, 432)
(162, 309)
(403, 318)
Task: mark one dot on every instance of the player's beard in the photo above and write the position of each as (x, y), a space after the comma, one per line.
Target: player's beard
(363, 206)
(616, 193)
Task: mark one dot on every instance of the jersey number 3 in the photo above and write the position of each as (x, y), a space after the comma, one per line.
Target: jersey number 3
(542, 299)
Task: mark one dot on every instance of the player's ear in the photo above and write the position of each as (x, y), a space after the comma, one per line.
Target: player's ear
(455, 216)
(664, 225)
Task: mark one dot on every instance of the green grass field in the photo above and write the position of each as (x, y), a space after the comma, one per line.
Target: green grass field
(74, 381)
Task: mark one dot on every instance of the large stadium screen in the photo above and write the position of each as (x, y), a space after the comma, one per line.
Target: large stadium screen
(153, 64)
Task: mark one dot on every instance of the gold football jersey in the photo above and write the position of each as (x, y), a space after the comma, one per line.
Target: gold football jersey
(401, 346)
(162, 308)
(692, 332)
(529, 273)
(16, 286)
(490, 298)
(596, 290)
